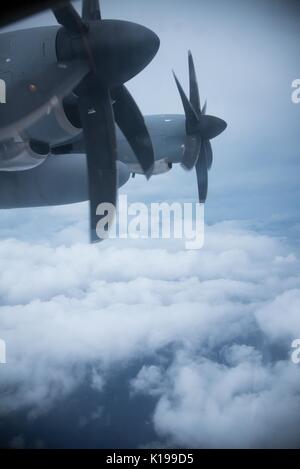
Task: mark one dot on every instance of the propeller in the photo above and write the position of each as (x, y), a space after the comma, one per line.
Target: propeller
(91, 10)
(200, 129)
(134, 129)
(115, 51)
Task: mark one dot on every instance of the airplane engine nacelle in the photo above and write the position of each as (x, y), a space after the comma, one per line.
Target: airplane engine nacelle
(35, 50)
(54, 127)
(160, 167)
(22, 155)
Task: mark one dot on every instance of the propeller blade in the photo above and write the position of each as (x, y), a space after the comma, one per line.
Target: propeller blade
(38, 97)
(194, 90)
(204, 109)
(190, 114)
(202, 175)
(91, 10)
(68, 17)
(131, 121)
(208, 154)
(97, 119)
(191, 151)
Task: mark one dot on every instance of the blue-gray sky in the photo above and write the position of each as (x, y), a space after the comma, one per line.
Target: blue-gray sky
(176, 348)
(246, 57)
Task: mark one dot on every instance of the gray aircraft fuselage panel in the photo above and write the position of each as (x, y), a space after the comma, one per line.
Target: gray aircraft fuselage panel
(25, 53)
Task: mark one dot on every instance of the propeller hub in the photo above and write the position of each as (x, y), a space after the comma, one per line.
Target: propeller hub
(121, 49)
(208, 127)
(117, 50)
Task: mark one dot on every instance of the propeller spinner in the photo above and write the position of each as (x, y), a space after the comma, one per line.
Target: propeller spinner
(200, 129)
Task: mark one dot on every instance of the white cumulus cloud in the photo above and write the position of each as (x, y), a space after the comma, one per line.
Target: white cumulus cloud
(227, 314)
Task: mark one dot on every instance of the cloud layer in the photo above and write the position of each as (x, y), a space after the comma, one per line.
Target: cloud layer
(226, 315)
